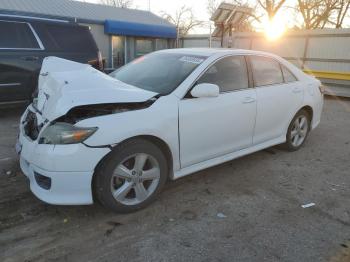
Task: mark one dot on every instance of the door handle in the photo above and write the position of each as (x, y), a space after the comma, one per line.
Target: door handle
(248, 100)
(30, 58)
(297, 90)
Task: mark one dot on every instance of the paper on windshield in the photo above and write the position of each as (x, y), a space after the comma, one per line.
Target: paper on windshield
(191, 59)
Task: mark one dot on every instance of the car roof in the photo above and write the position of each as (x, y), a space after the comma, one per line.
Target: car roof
(214, 51)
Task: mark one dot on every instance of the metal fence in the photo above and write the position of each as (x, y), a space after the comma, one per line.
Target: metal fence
(324, 53)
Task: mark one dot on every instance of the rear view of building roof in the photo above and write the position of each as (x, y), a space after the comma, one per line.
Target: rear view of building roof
(80, 11)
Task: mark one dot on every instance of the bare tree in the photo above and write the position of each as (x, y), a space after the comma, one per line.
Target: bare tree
(340, 12)
(316, 13)
(183, 19)
(271, 7)
(118, 3)
(212, 6)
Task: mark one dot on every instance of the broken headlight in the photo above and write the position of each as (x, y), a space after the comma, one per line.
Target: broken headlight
(63, 133)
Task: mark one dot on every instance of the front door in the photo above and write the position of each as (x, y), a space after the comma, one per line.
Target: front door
(215, 126)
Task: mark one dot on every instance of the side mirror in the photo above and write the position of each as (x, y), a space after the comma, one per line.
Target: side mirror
(205, 90)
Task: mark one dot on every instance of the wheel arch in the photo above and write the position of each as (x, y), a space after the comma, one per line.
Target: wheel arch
(160, 143)
(164, 147)
(309, 110)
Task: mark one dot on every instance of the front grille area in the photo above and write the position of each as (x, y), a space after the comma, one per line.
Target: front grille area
(31, 128)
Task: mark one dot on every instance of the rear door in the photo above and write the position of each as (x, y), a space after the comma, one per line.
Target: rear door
(20, 58)
(279, 96)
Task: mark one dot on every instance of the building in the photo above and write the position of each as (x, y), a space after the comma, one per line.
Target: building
(121, 34)
(227, 18)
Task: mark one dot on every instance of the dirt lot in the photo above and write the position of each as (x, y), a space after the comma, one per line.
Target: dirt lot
(259, 196)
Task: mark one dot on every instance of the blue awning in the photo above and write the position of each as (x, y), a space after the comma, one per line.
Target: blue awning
(137, 29)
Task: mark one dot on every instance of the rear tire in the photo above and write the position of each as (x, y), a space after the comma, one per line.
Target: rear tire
(298, 131)
(131, 176)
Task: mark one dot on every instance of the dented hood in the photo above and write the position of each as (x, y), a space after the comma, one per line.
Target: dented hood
(65, 84)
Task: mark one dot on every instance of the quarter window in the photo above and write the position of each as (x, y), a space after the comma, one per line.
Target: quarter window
(288, 76)
(17, 35)
(229, 73)
(266, 71)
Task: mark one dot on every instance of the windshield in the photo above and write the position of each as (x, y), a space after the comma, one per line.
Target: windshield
(158, 72)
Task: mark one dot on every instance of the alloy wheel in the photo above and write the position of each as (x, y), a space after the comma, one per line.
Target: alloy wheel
(299, 130)
(135, 179)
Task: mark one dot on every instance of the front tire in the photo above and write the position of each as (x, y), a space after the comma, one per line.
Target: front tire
(131, 177)
(298, 131)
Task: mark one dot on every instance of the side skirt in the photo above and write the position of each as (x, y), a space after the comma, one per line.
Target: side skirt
(221, 159)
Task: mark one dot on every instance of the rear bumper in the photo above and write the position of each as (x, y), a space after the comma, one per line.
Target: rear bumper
(68, 168)
(318, 107)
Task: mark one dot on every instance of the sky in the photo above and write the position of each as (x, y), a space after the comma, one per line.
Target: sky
(170, 6)
(199, 7)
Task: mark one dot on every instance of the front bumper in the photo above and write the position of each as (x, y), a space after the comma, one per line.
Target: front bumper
(69, 168)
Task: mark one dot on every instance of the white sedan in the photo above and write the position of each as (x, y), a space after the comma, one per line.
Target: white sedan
(117, 138)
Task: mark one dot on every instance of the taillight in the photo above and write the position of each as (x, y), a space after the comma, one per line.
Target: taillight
(100, 60)
(322, 89)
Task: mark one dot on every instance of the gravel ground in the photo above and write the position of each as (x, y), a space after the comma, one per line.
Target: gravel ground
(248, 209)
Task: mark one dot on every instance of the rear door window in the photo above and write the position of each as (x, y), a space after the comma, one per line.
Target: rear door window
(67, 38)
(266, 71)
(17, 35)
(288, 75)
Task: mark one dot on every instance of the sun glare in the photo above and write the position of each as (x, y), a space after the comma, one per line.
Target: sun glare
(275, 28)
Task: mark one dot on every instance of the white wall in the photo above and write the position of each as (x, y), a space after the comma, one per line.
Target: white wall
(102, 40)
(199, 41)
(324, 50)
(316, 50)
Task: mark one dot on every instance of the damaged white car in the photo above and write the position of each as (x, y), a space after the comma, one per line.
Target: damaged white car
(117, 138)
